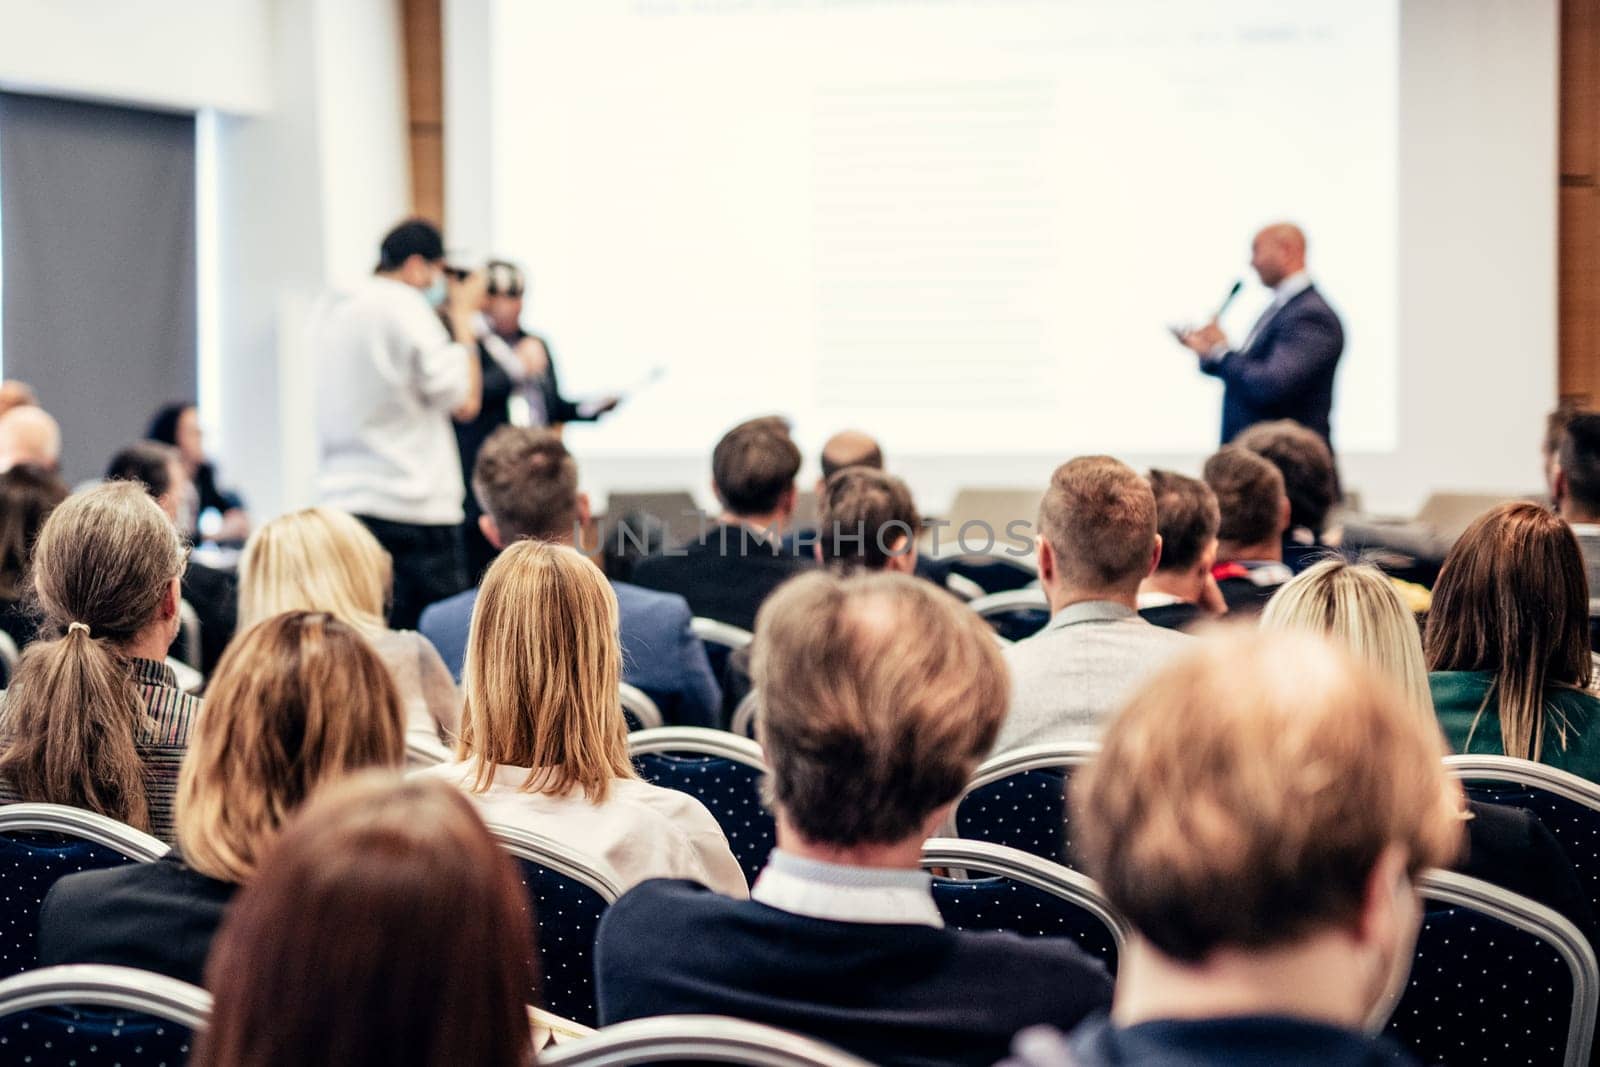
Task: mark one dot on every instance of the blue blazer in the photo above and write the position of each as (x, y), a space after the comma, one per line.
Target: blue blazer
(1287, 370)
(660, 654)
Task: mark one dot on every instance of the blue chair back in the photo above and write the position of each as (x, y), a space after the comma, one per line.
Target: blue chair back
(1496, 979)
(992, 573)
(1019, 799)
(990, 887)
(1016, 614)
(568, 896)
(39, 845)
(721, 771)
(92, 1016)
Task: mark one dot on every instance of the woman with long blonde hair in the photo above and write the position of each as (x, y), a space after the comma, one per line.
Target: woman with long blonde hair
(544, 745)
(94, 717)
(298, 700)
(320, 559)
(1358, 607)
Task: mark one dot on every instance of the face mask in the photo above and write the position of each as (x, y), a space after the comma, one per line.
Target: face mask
(436, 292)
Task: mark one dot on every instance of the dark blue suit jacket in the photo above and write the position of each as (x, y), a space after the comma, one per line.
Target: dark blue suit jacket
(1287, 372)
(660, 654)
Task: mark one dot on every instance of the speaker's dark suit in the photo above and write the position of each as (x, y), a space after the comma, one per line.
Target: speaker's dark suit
(1286, 371)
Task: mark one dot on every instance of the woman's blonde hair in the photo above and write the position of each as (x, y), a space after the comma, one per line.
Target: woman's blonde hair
(542, 674)
(297, 700)
(1357, 606)
(103, 565)
(315, 560)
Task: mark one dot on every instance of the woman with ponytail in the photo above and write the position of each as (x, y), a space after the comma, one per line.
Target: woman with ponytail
(94, 717)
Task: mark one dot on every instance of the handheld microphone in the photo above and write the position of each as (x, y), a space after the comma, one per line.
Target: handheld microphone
(1238, 286)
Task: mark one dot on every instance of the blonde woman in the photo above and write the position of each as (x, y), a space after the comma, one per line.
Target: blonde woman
(543, 742)
(298, 700)
(324, 560)
(94, 717)
(1360, 609)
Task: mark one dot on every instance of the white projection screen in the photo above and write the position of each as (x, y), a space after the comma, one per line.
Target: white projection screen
(964, 225)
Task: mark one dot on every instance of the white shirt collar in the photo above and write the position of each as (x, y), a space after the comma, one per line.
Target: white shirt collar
(846, 894)
(1291, 287)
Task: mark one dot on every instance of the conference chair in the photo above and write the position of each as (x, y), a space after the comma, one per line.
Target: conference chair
(1018, 799)
(721, 771)
(9, 654)
(994, 570)
(1015, 615)
(88, 1015)
(695, 1039)
(568, 893)
(1497, 978)
(42, 843)
(640, 711)
(744, 717)
(424, 751)
(990, 887)
(1568, 806)
(721, 641)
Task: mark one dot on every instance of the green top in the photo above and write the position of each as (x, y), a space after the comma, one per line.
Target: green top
(1457, 696)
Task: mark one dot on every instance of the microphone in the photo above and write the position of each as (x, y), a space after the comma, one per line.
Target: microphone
(1238, 286)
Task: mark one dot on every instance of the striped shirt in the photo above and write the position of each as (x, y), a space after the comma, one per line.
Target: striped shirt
(162, 742)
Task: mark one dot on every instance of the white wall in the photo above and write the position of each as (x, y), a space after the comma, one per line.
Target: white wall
(178, 54)
(1477, 266)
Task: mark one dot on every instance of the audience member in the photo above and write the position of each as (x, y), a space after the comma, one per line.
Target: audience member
(178, 425)
(1361, 610)
(1259, 814)
(1575, 489)
(388, 930)
(1255, 514)
(736, 564)
(1310, 480)
(842, 939)
(324, 560)
(1181, 592)
(1508, 643)
(27, 497)
(30, 437)
(527, 484)
(544, 745)
(297, 701)
(15, 394)
(1555, 429)
(867, 521)
(1097, 541)
(94, 717)
(391, 377)
(211, 592)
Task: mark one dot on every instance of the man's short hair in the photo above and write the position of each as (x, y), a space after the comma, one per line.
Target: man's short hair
(1306, 462)
(1249, 495)
(754, 465)
(1245, 793)
(1580, 461)
(851, 448)
(862, 517)
(1186, 517)
(527, 482)
(414, 237)
(1099, 516)
(149, 463)
(1555, 426)
(880, 693)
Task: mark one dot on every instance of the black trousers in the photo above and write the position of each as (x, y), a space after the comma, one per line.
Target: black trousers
(429, 565)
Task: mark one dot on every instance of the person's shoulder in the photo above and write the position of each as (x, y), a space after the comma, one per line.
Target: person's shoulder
(1060, 955)
(449, 609)
(682, 811)
(116, 887)
(657, 906)
(654, 604)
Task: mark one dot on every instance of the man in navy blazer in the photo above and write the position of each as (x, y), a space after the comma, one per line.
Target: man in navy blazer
(1284, 369)
(527, 483)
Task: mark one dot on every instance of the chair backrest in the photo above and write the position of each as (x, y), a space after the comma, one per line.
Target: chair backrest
(9, 654)
(721, 640)
(189, 647)
(995, 571)
(91, 1015)
(1497, 978)
(1018, 799)
(991, 887)
(695, 1039)
(42, 843)
(640, 711)
(425, 751)
(1016, 614)
(744, 716)
(568, 893)
(1568, 806)
(963, 587)
(721, 771)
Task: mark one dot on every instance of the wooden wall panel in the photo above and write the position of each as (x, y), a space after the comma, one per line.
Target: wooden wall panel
(1579, 301)
(424, 50)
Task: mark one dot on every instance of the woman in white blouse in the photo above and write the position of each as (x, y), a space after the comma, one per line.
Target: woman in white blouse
(324, 560)
(544, 746)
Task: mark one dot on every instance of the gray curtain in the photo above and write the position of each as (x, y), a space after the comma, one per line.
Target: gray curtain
(97, 230)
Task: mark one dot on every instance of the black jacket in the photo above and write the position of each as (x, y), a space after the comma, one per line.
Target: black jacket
(725, 575)
(1287, 370)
